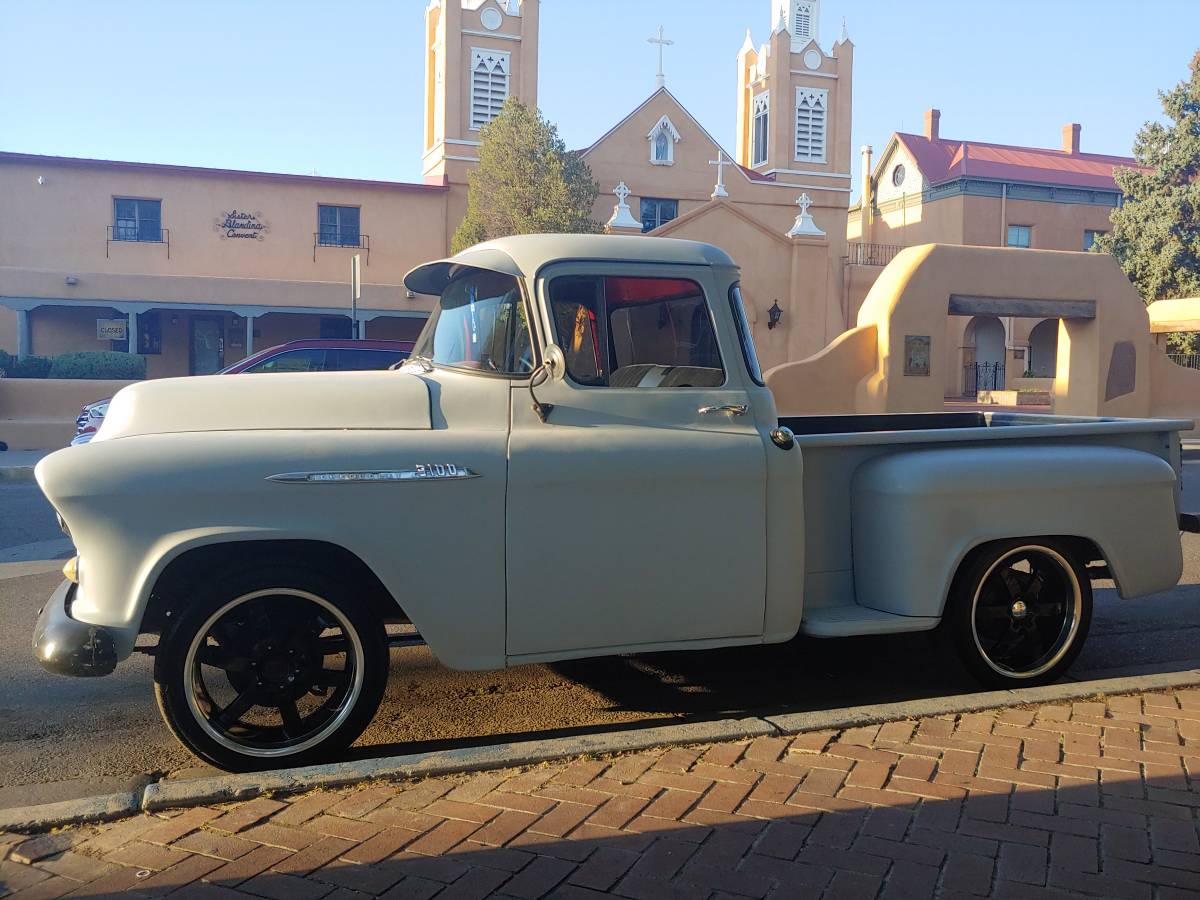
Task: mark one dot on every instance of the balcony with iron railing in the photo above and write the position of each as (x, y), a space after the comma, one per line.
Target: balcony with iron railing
(136, 234)
(859, 254)
(342, 239)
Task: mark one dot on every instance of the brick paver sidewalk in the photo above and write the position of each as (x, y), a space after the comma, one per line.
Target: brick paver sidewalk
(1094, 798)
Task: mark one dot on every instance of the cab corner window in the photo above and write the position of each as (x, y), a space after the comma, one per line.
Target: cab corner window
(480, 323)
(636, 332)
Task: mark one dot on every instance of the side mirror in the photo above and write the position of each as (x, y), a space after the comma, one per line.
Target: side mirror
(555, 362)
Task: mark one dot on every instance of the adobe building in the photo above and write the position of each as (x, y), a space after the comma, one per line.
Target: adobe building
(926, 189)
(196, 268)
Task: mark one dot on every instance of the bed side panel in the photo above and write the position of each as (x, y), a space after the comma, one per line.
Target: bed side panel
(916, 514)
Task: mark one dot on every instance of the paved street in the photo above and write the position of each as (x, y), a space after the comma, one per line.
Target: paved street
(62, 738)
(1050, 801)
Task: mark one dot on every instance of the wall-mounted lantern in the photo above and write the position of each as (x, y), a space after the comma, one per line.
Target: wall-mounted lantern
(775, 314)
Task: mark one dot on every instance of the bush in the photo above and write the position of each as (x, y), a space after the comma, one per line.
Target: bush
(29, 367)
(103, 364)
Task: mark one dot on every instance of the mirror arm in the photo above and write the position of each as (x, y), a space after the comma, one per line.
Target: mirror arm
(541, 410)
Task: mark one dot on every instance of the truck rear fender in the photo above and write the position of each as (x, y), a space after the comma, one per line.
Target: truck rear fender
(918, 514)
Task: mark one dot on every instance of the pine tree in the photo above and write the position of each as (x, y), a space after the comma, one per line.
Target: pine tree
(1156, 231)
(526, 182)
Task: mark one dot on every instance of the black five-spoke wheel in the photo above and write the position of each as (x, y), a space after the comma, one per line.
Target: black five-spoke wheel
(271, 668)
(1020, 610)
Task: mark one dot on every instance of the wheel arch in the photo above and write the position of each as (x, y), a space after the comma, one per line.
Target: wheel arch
(1084, 549)
(170, 587)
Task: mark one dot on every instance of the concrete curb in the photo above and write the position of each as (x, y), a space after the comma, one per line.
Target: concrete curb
(16, 474)
(71, 812)
(227, 788)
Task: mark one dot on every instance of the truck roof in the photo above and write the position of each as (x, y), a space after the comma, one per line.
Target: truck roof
(523, 255)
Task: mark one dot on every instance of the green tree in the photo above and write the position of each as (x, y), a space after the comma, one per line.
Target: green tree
(1156, 231)
(527, 182)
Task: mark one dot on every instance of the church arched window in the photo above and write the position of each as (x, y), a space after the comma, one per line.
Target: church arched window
(662, 148)
(663, 138)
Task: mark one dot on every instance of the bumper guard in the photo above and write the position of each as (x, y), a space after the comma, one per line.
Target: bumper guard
(66, 646)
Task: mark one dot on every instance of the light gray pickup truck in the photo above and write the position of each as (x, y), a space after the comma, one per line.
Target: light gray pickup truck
(580, 459)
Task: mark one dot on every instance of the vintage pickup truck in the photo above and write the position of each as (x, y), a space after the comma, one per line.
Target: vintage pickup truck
(580, 459)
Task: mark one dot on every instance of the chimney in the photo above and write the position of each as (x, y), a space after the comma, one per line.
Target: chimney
(933, 123)
(1070, 142)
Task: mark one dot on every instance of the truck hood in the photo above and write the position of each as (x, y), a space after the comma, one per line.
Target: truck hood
(299, 401)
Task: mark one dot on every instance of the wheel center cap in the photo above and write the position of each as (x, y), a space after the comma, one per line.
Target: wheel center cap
(276, 669)
(1019, 609)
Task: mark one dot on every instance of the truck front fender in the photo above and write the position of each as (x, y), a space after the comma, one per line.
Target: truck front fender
(917, 514)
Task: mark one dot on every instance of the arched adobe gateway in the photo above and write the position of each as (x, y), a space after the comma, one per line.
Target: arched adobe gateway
(1107, 363)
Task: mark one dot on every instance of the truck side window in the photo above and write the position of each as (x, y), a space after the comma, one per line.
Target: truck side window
(636, 332)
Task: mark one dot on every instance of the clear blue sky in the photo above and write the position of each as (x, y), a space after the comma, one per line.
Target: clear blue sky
(298, 85)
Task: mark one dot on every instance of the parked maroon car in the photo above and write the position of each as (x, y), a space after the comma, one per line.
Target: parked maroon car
(318, 355)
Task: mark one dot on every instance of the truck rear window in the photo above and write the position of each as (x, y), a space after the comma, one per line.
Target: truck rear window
(632, 331)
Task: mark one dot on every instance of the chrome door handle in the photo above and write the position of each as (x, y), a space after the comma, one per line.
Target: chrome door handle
(739, 410)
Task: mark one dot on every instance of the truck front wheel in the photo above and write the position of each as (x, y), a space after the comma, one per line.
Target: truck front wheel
(276, 666)
(1019, 611)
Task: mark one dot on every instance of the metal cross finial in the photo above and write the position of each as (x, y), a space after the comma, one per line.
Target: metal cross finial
(720, 162)
(804, 203)
(663, 43)
(622, 192)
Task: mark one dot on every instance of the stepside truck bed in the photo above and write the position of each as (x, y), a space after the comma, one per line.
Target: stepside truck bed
(837, 448)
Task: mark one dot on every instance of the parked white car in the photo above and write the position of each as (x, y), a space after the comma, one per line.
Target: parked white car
(580, 459)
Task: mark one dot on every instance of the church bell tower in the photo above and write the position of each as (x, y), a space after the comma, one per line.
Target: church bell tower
(478, 54)
(794, 100)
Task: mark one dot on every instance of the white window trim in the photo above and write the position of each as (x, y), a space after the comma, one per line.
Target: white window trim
(503, 61)
(663, 126)
(762, 106)
(811, 94)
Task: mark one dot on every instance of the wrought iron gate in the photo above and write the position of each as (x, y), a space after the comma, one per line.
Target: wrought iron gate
(982, 377)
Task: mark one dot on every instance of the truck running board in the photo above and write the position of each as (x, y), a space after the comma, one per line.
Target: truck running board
(405, 639)
(849, 621)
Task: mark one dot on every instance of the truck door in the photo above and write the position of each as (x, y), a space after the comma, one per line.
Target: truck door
(636, 513)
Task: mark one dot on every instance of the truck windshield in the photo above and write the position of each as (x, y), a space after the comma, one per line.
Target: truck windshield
(479, 323)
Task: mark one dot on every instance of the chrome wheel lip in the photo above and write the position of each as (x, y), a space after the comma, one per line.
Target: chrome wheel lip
(1076, 612)
(347, 706)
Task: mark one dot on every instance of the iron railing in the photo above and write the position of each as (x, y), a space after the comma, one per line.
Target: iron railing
(1187, 360)
(871, 254)
(125, 234)
(328, 239)
(982, 377)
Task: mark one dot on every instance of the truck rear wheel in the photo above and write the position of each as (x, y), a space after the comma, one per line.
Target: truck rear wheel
(273, 667)
(1019, 611)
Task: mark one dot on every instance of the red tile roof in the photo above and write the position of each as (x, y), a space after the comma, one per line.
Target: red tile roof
(944, 160)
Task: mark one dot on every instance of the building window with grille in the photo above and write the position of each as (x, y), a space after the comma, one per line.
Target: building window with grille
(489, 85)
(656, 212)
(337, 226)
(1089, 239)
(811, 121)
(137, 220)
(1020, 236)
(762, 122)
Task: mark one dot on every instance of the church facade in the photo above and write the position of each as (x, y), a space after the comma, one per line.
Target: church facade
(227, 262)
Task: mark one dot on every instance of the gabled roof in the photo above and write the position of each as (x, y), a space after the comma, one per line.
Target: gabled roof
(684, 111)
(942, 160)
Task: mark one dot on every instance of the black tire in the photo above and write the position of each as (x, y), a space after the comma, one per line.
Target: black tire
(1019, 611)
(264, 636)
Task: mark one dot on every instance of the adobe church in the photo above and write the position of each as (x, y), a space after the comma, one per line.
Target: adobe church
(195, 268)
(777, 204)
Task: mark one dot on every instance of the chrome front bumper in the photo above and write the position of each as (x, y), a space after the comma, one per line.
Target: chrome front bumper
(66, 646)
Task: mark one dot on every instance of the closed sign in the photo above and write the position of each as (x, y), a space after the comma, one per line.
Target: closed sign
(110, 329)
